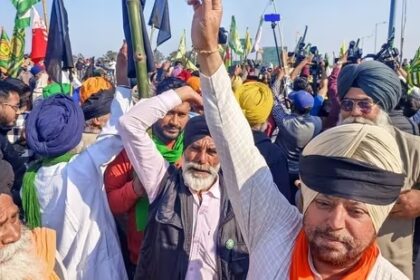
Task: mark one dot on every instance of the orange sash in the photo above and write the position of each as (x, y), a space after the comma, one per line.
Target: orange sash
(44, 239)
(300, 269)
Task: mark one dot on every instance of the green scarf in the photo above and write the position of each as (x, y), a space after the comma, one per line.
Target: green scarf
(30, 200)
(171, 156)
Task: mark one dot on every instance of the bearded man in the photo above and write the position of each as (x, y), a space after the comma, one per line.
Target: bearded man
(192, 232)
(368, 93)
(24, 254)
(351, 177)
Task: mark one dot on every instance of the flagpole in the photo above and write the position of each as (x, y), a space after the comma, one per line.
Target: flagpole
(134, 10)
(44, 9)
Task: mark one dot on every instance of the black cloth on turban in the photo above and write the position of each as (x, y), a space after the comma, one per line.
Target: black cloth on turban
(168, 84)
(195, 130)
(376, 79)
(7, 177)
(98, 105)
(55, 126)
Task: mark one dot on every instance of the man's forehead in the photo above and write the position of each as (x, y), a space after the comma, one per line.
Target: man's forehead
(357, 93)
(205, 141)
(340, 199)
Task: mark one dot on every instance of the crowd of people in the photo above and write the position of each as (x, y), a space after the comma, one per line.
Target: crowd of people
(237, 172)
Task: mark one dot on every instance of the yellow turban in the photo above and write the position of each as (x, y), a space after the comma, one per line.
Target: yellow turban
(236, 82)
(256, 101)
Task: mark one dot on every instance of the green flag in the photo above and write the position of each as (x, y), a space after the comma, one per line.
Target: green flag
(23, 12)
(234, 40)
(414, 70)
(22, 21)
(182, 48)
(17, 52)
(4, 52)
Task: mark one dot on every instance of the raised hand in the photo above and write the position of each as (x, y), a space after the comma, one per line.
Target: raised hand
(205, 25)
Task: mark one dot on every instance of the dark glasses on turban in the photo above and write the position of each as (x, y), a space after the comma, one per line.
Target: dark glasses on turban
(365, 105)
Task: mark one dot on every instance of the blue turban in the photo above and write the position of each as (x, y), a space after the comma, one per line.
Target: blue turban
(376, 79)
(55, 126)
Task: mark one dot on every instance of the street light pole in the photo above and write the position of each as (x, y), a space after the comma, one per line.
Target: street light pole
(376, 32)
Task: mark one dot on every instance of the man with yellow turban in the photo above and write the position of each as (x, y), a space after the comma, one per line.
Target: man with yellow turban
(256, 102)
(351, 177)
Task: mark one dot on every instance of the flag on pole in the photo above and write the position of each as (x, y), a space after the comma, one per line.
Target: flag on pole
(22, 20)
(182, 48)
(39, 38)
(127, 33)
(257, 42)
(23, 12)
(343, 49)
(248, 43)
(58, 56)
(414, 70)
(234, 40)
(160, 19)
(4, 52)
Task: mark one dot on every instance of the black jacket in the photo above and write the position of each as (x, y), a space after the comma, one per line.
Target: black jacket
(168, 235)
(276, 161)
(19, 168)
(403, 123)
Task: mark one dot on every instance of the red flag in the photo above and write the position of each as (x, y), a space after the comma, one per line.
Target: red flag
(228, 58)
(39, 38)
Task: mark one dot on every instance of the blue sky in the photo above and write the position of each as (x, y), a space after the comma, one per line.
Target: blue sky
(96, 25)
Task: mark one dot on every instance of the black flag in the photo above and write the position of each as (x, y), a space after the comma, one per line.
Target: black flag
(58, 56)
(160, 20)
(147, 48)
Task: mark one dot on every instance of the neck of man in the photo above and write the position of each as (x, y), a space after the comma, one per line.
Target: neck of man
(333, 272)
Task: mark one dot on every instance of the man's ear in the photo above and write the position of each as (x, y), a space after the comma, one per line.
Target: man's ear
(96, 122)
(298, 183)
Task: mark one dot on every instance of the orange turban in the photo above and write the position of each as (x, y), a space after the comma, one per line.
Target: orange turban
(93, 86)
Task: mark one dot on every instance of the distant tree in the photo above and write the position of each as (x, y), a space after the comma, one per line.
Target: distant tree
(110, 55)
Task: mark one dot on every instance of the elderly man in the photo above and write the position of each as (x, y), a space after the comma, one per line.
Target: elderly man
(24, 254)
(351, 177)
(368, 92)
(64, 191)
(192, 232)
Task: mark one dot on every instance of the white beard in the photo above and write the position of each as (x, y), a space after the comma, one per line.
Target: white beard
(382, 120)
(18, 260)
(199, 183)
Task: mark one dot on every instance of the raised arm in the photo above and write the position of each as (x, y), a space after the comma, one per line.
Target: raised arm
(259, 207)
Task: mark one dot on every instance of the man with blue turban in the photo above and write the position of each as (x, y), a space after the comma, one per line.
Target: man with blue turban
(368, 92)
(64, 191)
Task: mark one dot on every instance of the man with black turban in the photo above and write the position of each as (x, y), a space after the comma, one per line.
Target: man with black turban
(96, 110)
(368, 92)
(64, 191)
(192, 232)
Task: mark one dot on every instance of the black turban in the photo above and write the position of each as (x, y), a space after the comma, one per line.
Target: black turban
(195, 130)
(169, 83)
(7, 177)
(98, 105)
(376, 79)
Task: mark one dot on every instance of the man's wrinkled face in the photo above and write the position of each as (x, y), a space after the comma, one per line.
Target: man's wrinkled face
(358, 107)
(173, 123)
(338, 230)
(9, 110)
(9, 221)
(201, 164)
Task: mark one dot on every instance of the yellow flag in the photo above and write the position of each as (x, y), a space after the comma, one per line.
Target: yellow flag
(248, 43)
(4, 52)
(182, 48)
(343, 49)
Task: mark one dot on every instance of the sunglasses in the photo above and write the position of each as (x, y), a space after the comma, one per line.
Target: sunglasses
(365, 105)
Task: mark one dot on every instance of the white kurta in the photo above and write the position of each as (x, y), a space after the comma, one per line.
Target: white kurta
(74, 203)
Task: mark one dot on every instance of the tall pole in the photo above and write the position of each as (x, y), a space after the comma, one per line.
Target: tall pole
(391, 25)
(44, 9)
(134, 10)
(403, 22)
